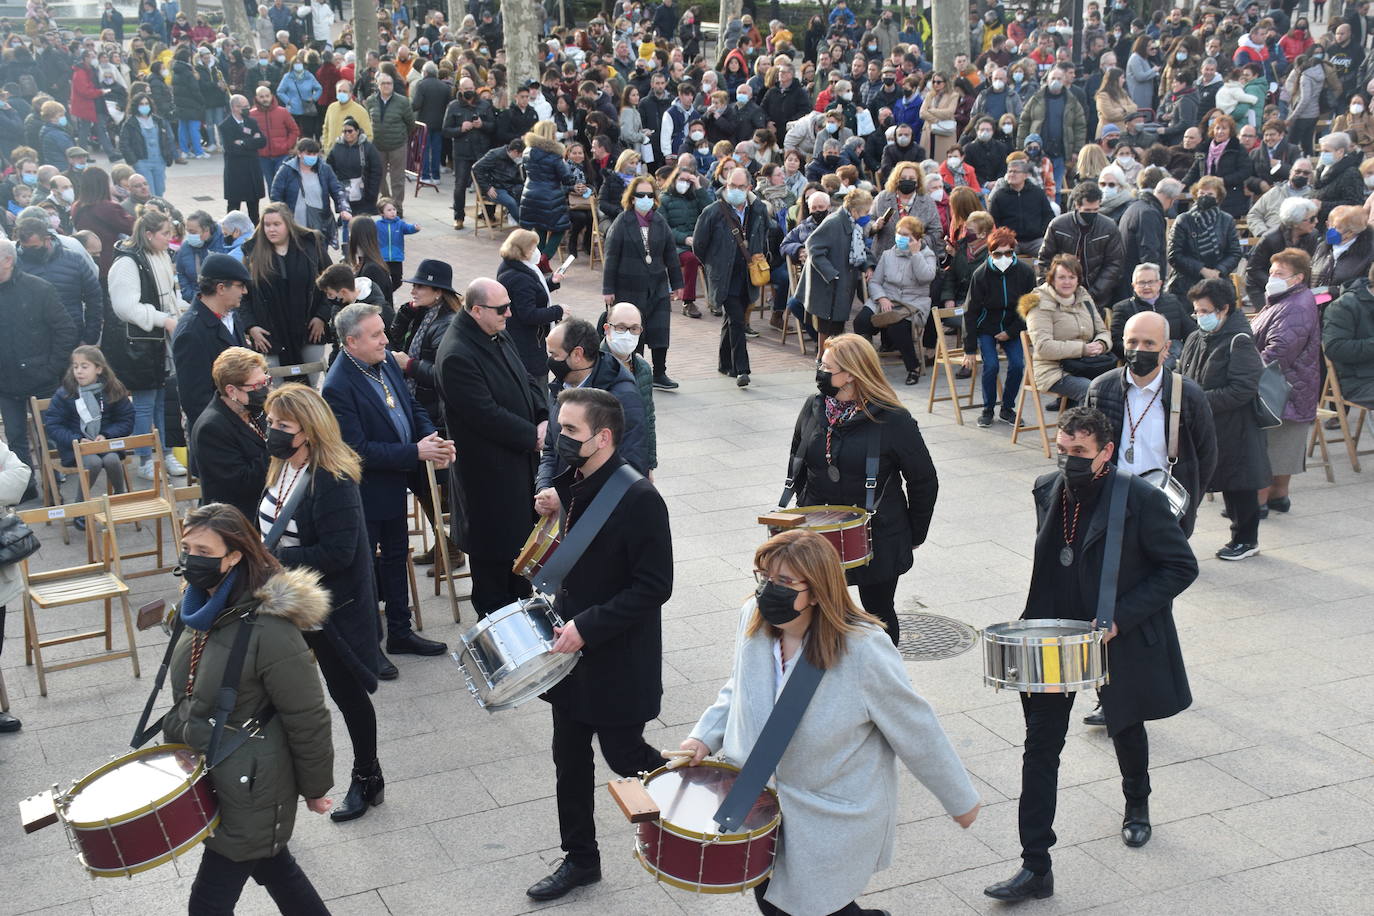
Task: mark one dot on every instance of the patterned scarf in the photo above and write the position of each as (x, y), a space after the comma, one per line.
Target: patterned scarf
(838, 412)
(90, 398)
(1208, 245)
(417, 339)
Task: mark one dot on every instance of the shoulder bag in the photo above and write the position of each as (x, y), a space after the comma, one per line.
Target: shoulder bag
(759, 274)
(1272, 396)
(17, 540)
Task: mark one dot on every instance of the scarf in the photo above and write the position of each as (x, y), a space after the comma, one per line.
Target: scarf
(1205, 238)
(90, 408)
(838, 412)
(417, 339)
(199, 608)
(1214, 154)
(858, 254)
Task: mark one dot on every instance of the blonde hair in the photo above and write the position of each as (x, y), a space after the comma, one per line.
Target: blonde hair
(855, 355)
(1091, 161)
(835, 615)
(1210, 183)
(896, 176)
(625, 160)
(305, 407)
(544, 130)
(858, 201)
(518, 245)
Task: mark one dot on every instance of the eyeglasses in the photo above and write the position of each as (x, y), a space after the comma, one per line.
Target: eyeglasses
(498, 309)
(1143, 281)
(762, 578)
(1004, 252)
(937, 82)
(265, 384)
(627, 328)
(644, 195)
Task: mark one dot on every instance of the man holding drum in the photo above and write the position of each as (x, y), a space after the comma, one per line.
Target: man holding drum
(1147, 679)
(612, 599)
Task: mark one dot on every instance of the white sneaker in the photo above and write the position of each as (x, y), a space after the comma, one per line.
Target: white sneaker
(204, 156)
(145, 470)
(174, 467)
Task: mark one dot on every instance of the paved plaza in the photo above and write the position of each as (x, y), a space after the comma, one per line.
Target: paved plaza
(1263, 791)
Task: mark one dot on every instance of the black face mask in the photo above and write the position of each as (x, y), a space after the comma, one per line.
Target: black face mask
(1078, 472)
(906, 187)
(202, 572)
(256, 398)
(1141, 362)
(469, 95)
(1206, 202)
(570, 450)
(1298, 181)
(776, 603)
(281, 444)
(824, 384)
(831, 161)
(1085, 220)
(559, 368)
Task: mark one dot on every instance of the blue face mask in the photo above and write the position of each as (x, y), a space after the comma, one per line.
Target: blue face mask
(735, 196)
(145, 110)
(1209, 323)
(31, 178)
(644, 204)
(1328, 158)
(343, 98)
(863, 220)
(310, 160)
(741, 97)
(195, 241)
(62, 121)
(1333, 236)
(831, 127)
(298, 67)
(903, 242)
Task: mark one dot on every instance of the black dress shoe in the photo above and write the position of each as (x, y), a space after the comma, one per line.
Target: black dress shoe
(1279, 503)
(662, 381)
(743, 380)
(1023, 885)
(387, 671)
(1096, 717)
(9, 723)
(1135, 826)
(365, 791)
(413, 643)
(564, 878)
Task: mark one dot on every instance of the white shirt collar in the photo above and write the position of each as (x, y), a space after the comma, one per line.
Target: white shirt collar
(1152, 385)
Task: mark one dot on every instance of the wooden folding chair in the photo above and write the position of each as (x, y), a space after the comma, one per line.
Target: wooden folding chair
(597, 243)
(49, 461)
(155, 504)
(442, 568)
(946, 357)
(1333, 403)
(791, 323)
(1029, 389)
(493, 219)
(102, 580)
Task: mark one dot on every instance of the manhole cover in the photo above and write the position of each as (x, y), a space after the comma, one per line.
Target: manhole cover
(926, 637)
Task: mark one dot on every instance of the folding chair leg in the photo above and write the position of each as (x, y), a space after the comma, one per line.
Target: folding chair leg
(953, 391)
(109, 628)
(33, 652)
(129, 632)
(414, 589)
(1318, 440)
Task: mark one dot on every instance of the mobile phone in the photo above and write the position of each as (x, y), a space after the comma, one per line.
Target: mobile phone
(888, 215)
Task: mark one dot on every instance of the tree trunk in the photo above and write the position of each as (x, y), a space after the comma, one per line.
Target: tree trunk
(188, 7)
(364, 32)
(949, 32)
(729, 9)
(236, 21)
(523, 21)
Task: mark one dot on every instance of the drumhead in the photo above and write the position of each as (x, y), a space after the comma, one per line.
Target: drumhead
(689, 797)
(1047, 628)
(131, 785)
(506, 655)
(829, 516)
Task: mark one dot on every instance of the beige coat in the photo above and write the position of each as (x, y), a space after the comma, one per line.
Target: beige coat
(940, 107)
(1110, 111)
(1059, 332)
(14, 479)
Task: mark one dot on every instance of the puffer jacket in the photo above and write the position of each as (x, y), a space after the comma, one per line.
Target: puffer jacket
(295, 89)
(188, 260)
(1288, 332)
(260, 783)
(904, 277)
(63, 422)
(422, 370)
(993, 295)
(186, 93)
(1353, 264)
(286, 187)
(135, 148)
(77, 285)
(682, 210)
(1348, 337)
(1339, 184)
(1060, 331)
(39, 336)
(548, 179)
(53, 142)
(1104, 253)
(358, 160)
(644, 380)
(391, 130)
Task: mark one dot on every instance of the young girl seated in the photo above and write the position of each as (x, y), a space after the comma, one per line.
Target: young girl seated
(91, 405)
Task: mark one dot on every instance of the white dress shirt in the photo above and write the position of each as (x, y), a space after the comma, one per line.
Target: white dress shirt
(1150, 447)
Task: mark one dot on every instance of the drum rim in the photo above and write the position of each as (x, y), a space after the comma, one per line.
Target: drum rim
(532, 542)
(542, 685)
(1046, 686)
(1087, 633)
(163, 858)
(491, 620)
(686, 834)
(696, 888)
(150, 807)
(834, 526)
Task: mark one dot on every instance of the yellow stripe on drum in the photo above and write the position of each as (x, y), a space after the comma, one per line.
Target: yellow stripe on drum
(1051, 671)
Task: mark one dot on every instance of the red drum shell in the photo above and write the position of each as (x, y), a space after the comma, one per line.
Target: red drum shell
(845, 527)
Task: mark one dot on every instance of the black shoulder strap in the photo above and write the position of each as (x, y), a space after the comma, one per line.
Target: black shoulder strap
(1111, 555)
(871, 467)
(143, 731)
(798, 460)
(228, 691)
(576, 541)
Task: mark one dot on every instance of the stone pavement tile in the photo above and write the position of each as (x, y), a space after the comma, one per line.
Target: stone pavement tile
(1289, 713)
(1346, 651)
(931, 848)
(495, 888)
(1259, 675)
(1180, 853)
(513, 780)
(1081, 762)
(1333, 553)
(375, 861)
(1079, 818)
(684, 706)
(1080, 882)
(500, 833)
(921, 897)
(368, 903)
(711, 570)
(736, 543)
(1336, 882)
(1212, 897)
(74, 750)
(1183, 790)
(649, 900)
(1361, 788)
(74, 908)
(701, 663)
(1289, 765)
(1359, 738)
(970, 737)
(1306, 823)
(1185, 737)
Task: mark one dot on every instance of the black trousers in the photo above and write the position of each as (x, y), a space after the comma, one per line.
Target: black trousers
(1047, 722)
(494, 585)
(249, 206)
(1243, 507)
(897, 335)
(220, 881)
(626, 753)
(734, 354)
(880, 600)
(767, 909)
(349, 695)
(392, 536)
(579, 231)
(462, 177)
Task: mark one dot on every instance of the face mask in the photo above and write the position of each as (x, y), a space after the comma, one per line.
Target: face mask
(281, 58)
(1333, 236)
(735, 196)
(1181, 56)
(831, 162)
(1300, 181)
(906, 186)
(1110, 193)
(1319, 57)
(954, 162)
(62, 121)
(343, 98)
(1369, 181)
(985, 135)
(1056, 85)
(30, 178)
(644, 204)
(145, 110)
(682, 186)
(776, 603)
(824, 384)
(68, 196)
(280, 443)
(1126, 160)
(1206, 202)
(1018, 76)
(1328, 158)
(559, 368)
(903, 242)
(903, 140)
(998, 85)
(1001, 262)
(1078, 471)
(1209, 323)
(201, 572)
(889, 81)
(937, 194)
(831, 127)
(1141, 362)
(847, 96)
(1085, 219)
(262, 62)
(698, 136)
(310, 160)
(297, 67)
(33, 255)
(741, 97)
(1276, 286)
(194, 241)
(1033, 152)
(623, 343)
(570, 450)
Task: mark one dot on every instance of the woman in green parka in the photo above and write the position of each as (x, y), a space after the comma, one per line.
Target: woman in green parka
(684, 196)
(232, 582)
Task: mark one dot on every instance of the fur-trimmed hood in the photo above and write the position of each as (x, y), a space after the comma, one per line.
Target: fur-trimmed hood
(296, 595)
(1044, 295)
(534, 141)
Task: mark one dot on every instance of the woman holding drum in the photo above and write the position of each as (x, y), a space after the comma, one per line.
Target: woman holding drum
(856, 416)
(837, 780)
(233, 585)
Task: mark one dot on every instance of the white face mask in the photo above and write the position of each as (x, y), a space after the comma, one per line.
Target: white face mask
(697, 136)
(998, 85)
(68, 195)
(985, 134)
(622, 343)
(1369, 181)
(1126, 160)
(847, 96)
(1276, 286)
(1001, 262)
(937, 194)
(954, 162)
(1356, 108)
(1008, 128)
(682, 186)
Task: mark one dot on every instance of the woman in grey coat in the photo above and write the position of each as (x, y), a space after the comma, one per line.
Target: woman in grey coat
(899, 293)
(837, 780)
(836, 259)
(904, 195)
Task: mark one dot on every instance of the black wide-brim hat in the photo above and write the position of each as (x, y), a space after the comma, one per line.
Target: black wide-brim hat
(436, 274)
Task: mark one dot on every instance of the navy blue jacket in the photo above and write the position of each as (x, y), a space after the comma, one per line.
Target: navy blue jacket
(63, 423)
(609, 374)
(548, 179)
(188, 261)
(388, 462)
(199, 338)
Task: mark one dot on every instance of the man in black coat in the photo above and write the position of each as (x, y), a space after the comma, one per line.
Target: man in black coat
(430, 98)
(786, 101)
(612, 600)
(500, 414)
(242, 138)
(1093, 238)
(517, 120)
(209, 327)
(230, 432)
(468, 125)
(1148, 680)
(1148, 295)
(498, 175)
(724, 231)
(1144, 229)
(1021, 205)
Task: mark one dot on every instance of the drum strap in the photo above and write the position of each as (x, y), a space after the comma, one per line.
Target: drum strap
(789, 486)
(874, 438)
(577, 539)
(143, 731)
(1175, 413)
(1111, 556)
(772, 743)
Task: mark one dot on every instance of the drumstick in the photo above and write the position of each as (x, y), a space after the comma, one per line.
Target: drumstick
(677, 758)
(667, 753)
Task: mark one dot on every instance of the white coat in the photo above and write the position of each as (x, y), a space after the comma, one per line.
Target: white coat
(837, 781)
(14, 479)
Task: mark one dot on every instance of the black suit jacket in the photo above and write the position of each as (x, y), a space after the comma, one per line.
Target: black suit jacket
(199, 338)
(1148, 680)
(232, 463)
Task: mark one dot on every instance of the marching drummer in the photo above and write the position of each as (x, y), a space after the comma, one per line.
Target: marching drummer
(855, 415)
(612, 600)
(837, 778)
(233, 583)
(1145, 662)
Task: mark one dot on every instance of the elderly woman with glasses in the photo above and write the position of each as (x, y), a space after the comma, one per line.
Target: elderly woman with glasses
(1263, 217)
(1345, 253)
(1297, 225)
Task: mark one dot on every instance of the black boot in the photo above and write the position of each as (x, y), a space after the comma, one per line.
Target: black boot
(365, 791)
(1022, 886)
(1135, 826)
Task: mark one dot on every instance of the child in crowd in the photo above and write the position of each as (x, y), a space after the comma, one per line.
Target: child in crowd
(391, 233)
(91, 405)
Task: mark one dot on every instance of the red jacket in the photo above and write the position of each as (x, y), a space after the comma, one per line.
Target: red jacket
(278, 127)
(85, 93)
(328, 76)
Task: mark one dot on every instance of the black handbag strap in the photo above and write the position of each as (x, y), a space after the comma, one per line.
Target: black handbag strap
(1111, 556)
(771, 744)
(575, 542)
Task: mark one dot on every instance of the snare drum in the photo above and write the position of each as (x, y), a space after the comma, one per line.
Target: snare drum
(539, 547)
(1044, 656)
(140, 810)
(506, 658)
(845, 527)
(685, 848)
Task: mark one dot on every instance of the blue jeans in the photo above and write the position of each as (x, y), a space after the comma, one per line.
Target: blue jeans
(1016, 367)
(213, 117)
(1073, 387)
(188, 137)
(434, 156)
(505, 199)
(149, 406)
(1058, 163)
(270, 164)
(155, 170)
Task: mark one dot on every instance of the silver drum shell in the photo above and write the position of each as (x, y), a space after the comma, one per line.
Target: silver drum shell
(506, 658)
(1052, 655)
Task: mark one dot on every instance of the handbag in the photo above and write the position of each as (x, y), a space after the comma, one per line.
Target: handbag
(943, 128)
(1163, 478)
(1272, 396)
(759, 272)
(17, 540)
(309, 109)
(1089, 367)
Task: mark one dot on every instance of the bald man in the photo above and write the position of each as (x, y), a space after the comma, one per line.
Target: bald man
(243, 138)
